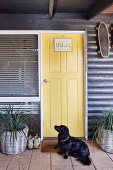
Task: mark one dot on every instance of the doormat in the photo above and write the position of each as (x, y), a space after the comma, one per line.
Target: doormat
(49, 146)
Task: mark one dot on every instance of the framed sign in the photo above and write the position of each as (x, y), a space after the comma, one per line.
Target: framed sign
(62, 44)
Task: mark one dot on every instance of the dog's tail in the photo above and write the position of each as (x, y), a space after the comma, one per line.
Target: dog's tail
(85, 160)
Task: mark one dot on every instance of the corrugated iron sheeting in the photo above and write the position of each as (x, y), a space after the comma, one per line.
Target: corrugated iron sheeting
(100, 79)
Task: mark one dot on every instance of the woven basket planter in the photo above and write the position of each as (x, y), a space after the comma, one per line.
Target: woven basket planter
(16, 147)
(106, 141)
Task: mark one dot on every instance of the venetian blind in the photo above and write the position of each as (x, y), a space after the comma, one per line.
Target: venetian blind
(19, 75)
(27, 107)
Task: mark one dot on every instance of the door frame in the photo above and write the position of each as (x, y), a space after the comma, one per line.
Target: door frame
(85, 76)
(39, 33)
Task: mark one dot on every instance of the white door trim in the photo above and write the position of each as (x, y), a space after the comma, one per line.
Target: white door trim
(85, 76)
(40, 32)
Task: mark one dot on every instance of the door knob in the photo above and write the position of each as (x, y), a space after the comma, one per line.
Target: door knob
(45, 81)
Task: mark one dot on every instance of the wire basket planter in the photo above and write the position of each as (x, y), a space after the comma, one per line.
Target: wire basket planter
(10, 145)
(103, 127)
(106, 141)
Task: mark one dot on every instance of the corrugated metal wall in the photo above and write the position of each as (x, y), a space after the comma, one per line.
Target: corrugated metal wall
(100, 79)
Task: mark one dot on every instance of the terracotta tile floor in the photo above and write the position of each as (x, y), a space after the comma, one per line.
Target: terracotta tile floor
(50, 160)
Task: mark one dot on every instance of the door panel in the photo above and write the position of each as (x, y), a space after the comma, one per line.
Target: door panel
(55, 98)
(72, 59)
(63, 93)
(54, 62)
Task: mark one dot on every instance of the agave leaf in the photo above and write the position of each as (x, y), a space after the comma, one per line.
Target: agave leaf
(5, 137)
(15, 135)
(11, 137)
(23, 118)
(24, 133)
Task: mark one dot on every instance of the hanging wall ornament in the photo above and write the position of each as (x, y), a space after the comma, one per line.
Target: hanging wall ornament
(112, 36)
(103, 40)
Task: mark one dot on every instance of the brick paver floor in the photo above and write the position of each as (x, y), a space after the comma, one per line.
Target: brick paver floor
(37, 160)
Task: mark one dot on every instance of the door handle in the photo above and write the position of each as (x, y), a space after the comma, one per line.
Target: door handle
(45, 81)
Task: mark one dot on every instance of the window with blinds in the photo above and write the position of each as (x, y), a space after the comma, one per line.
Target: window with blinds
(19, 66)
(19, 70)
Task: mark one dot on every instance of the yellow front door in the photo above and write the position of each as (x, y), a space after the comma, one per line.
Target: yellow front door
(63, 86)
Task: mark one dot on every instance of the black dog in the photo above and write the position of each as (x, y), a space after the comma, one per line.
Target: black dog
(72, 146)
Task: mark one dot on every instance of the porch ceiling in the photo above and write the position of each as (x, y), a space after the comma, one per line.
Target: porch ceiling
(79, 8)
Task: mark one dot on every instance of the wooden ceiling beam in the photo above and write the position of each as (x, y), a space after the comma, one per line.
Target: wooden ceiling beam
(98, 7)
(51, 8)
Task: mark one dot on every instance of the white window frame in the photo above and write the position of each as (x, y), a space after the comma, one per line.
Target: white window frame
(23, 99)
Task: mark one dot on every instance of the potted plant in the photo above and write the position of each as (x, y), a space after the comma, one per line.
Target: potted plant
(13, 130)
(104, 131)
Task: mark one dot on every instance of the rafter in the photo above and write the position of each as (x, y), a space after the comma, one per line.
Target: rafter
(51, 7)
(98, 7)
